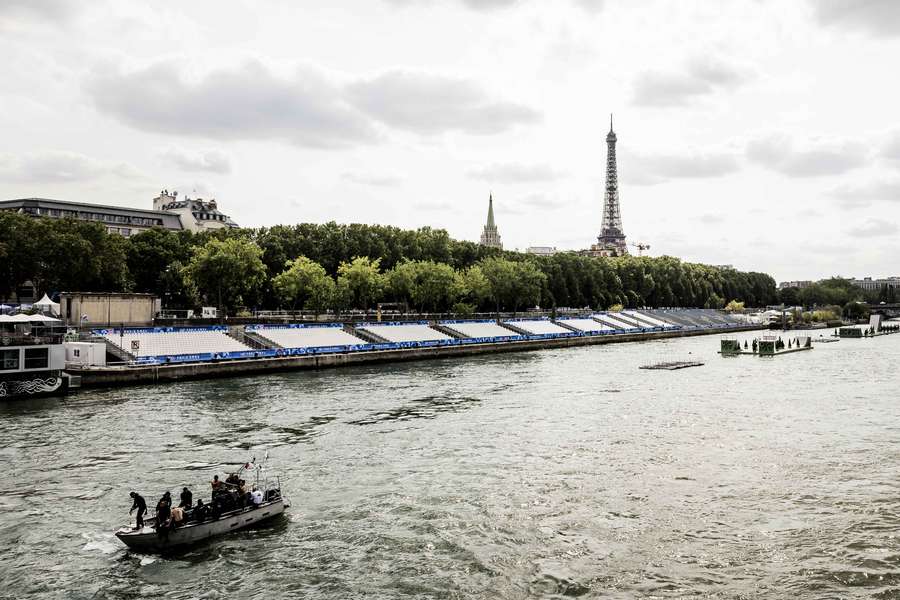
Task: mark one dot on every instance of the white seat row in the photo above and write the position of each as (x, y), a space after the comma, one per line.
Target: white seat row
(614, 322)
(406, 333)
(649, 319)
(539, 327)
(480, 330)
(308, 337)
(171, 343)
(586, 325)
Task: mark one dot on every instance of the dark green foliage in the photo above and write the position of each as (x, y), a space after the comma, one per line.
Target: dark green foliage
(71, 255)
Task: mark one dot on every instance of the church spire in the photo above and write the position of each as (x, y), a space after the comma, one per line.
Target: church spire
(490, 236)
(490, 219)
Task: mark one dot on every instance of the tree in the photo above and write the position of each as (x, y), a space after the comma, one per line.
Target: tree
(151, 253)
(512, 284)
(305, 282)
(360, 282)
(475, 286)
(229, 272)
(734, 305)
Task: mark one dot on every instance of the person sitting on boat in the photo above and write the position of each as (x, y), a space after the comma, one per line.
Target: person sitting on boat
(256, 496)
(177, 517)
(200, 511)
(141, 506)
(187, 500)
(164, 508)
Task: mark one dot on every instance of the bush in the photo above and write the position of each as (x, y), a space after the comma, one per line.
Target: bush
(615, 308)
(462, 309)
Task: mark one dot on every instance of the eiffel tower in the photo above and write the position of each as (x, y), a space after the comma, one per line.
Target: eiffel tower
(611, 241)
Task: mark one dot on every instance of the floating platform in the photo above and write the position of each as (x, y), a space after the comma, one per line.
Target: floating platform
(776, 353)
(672, 365)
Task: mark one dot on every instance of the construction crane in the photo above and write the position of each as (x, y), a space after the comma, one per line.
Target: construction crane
(640, 246)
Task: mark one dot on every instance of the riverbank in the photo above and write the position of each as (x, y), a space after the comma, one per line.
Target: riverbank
(155, 373)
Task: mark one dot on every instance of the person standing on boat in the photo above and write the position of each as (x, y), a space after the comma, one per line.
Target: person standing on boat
(187, 499)
(141, 506)
(163, 510)
(215, 484)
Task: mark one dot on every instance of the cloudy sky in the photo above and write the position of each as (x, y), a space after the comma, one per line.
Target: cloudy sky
(762, 134)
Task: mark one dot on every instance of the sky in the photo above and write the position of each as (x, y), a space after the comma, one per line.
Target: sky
(761, 134)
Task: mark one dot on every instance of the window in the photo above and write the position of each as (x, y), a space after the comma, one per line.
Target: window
(76, 353)
(125, 231)
(9, 359)
(68, 308)
(37, 358)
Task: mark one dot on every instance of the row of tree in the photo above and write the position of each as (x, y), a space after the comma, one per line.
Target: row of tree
(835, 291)
(333, 266)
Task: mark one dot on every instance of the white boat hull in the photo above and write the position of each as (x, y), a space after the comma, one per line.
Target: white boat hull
(148, 540)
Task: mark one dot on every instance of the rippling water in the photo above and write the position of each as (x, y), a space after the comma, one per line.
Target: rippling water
(551, 473)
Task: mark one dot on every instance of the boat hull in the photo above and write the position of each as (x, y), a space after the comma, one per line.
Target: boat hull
(148, 540)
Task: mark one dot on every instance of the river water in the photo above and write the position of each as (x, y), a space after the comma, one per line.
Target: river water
(551, 473)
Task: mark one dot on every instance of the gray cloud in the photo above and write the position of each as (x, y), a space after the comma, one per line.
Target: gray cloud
(247, 102)
(488, 5)
(429, 104)
(852, 197)
(651, 170)
(877, 17)
(821, 158)
(710, 219)
(61, 167)
(250, 102)
(700, 77)
(373, 179)
(891, 148)
(873, 228)
(514, 173)
(52, 12)
(212, 161)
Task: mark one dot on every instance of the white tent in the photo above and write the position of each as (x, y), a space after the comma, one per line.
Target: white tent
(45, 304)
(21, 318)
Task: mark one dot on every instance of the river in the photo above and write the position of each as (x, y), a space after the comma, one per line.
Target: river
(550, 473)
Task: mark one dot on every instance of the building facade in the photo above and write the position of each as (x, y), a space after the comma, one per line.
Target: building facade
(541, 250)
(196, 214)
(108, 309)
(490, 236)
(116, 219)
(874, 285)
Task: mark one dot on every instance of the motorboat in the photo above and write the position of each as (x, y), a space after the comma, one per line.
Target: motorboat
(154, 537)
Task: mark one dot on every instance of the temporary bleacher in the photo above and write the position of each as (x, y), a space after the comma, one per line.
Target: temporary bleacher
(405, 332)
(615, 323)
(309, 336)
(650, 319)
(586, 325)
(173, 341)
(539, 327)
(480, 330)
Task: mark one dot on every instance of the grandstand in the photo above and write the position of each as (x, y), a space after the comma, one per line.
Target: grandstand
(479, 329)
(539, 327)
(316, 336)
(173, 341)
(650, 320)
(404, 332)
(585, 325)
(614, 322)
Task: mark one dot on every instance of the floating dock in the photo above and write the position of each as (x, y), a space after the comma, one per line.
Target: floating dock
(672, 365)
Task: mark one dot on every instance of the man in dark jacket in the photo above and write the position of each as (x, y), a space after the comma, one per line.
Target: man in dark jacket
(187, 499)
(141, 506)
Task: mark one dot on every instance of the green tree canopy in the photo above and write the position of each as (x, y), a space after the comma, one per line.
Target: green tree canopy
(306, 283)
(229, 272)
(360, 282)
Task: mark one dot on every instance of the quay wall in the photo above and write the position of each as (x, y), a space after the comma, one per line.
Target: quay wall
(147, 374)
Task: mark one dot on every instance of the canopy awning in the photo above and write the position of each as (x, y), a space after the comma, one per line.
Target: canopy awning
(47, 304)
